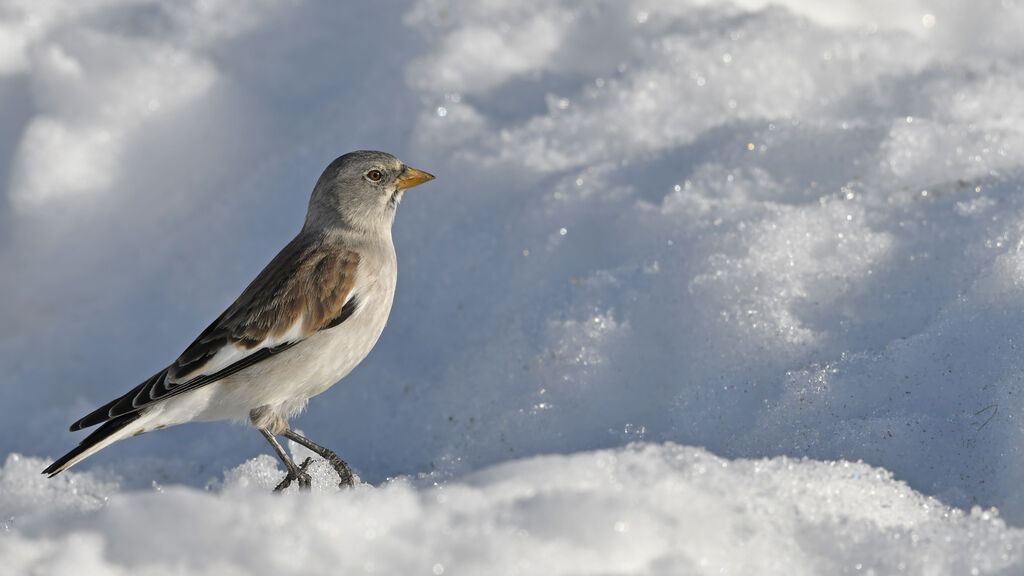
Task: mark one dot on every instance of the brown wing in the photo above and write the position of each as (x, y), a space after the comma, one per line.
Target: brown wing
(308, 282)
(307, 287)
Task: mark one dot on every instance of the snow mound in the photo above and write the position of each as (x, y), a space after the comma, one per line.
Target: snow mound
(643, 508)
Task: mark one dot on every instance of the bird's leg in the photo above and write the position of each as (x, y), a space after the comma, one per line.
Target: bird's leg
(294, 472)
(340, 466)
(303, 477)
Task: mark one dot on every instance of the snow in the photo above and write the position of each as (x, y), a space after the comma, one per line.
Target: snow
(701, 287)
(650, 508)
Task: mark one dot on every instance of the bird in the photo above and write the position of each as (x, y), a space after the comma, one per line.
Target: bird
(309, 318)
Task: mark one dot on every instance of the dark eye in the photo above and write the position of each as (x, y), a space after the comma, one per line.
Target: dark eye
(375, 175)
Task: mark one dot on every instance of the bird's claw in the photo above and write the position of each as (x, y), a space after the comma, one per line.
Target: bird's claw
(341, 467)
(297, 474)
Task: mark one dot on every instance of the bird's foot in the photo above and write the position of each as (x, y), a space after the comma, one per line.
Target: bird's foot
(341, 467)
(297, 473)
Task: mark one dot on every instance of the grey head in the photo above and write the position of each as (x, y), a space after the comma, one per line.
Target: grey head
(361, 191)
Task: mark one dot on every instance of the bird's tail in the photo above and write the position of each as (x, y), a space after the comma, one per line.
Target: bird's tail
(110, 432)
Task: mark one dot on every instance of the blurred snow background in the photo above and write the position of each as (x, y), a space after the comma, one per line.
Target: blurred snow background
(685, 264)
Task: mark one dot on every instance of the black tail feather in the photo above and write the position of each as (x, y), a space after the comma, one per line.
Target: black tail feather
(91, 440)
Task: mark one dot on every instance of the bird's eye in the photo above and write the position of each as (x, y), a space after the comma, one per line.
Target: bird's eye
(375, 175)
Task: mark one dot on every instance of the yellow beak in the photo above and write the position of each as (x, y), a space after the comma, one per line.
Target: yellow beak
(412, 177)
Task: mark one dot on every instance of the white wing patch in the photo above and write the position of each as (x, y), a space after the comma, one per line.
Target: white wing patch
(361, 298)
(231, 353)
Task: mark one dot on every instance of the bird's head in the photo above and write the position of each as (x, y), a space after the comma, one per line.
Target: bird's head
(361, 190)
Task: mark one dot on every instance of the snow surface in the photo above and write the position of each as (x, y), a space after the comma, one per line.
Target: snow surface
(701, 287)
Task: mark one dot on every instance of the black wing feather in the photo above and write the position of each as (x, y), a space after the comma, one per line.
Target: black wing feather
(155, 389)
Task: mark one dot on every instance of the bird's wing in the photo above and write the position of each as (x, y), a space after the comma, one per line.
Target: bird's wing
(309, 286)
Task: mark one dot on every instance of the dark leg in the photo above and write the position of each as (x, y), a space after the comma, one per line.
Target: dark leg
(340, 466)
(294, 472)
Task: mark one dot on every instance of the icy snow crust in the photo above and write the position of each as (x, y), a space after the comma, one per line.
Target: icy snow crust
(701, 287)
(645, 508)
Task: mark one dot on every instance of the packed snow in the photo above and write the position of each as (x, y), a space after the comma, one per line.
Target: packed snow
(700, 288)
